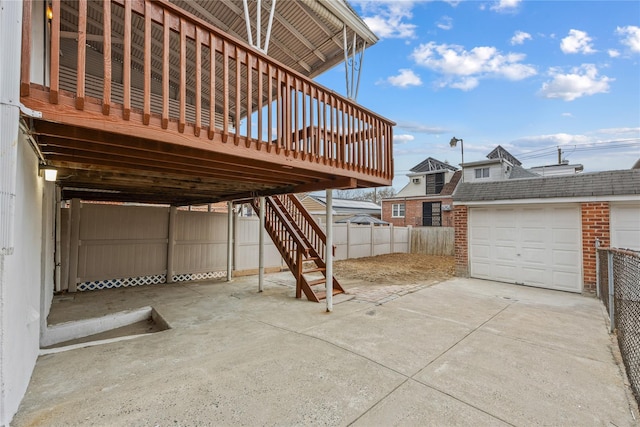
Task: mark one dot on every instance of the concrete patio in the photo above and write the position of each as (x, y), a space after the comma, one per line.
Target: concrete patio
(460, 352)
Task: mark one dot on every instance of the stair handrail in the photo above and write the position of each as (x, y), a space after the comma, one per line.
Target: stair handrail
(300, 242)
(319, 232)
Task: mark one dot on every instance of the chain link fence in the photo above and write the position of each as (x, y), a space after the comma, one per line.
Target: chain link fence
(619, 289)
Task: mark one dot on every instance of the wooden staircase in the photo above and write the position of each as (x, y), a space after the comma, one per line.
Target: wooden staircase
(301, 242)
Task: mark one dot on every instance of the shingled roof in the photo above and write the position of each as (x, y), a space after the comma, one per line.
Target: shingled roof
(609, 183)
(430, 164)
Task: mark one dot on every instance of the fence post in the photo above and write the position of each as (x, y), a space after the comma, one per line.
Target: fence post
(597, 268)
(612, 311)
(392, 243)
(372, 248)
(171, 243)
(348, 239)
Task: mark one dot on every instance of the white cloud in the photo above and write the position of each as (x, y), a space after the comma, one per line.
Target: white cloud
(577, 42)
(420, 128)
(389, 19)
(630, 37)
(505, 5)
(538, 141)
(401, 139)
(406, 78)
(445, 23)
(519, 37)
(462, 69)
(567, 115)
(581, 81)
(613, 53)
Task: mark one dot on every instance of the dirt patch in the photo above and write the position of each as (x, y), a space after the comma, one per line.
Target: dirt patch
(396, 268)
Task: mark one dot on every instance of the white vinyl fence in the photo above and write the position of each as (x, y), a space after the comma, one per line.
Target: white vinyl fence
(108, 246)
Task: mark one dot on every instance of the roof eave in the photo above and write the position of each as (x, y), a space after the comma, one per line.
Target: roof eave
(347, 15)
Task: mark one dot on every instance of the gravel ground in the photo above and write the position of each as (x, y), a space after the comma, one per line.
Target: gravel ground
(396, 268)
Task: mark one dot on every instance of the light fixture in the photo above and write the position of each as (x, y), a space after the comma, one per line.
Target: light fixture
(454, 142)
(49, 12)
(50, 173)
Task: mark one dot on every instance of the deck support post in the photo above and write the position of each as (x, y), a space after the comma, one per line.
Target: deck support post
(261, 246)
(229, 240)
(328, 248)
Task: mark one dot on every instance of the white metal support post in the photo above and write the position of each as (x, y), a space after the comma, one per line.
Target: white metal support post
(328, 249)
(261, 247)
(229, 240)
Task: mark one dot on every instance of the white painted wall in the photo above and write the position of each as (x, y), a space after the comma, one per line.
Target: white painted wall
(20, 281)
(497, 172)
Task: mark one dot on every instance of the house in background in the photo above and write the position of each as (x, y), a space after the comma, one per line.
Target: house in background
(342, 208)
(499, 165)
(426, 200)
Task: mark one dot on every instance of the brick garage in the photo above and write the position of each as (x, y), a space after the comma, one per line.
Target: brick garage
(588, 196)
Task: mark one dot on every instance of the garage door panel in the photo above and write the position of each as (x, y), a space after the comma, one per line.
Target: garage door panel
(537, 246)
(534, 276)
(563, 281)
(480, 233)
(504, 272)
(565, 236)
(625, 225)
(534, 256)
(481, 270)
(533, 234)
(565, 258)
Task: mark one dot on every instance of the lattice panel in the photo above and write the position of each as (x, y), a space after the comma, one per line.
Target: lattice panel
(199, 276)
(121, 283)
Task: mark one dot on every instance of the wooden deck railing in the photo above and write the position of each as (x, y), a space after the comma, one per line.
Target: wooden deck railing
(184, 74)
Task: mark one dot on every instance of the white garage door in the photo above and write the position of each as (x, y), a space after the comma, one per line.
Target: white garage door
(535, 246)
(625, 225)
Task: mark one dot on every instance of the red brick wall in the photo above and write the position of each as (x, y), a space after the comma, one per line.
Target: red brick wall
(460, 214)
(595, 224)
(413, 212)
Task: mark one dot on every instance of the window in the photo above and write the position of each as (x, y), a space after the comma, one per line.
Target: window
(397, 210)
(482, 173)
(435, 182)
(431, 214)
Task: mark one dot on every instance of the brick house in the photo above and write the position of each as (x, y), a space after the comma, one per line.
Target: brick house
(426, 200)
(542, 231)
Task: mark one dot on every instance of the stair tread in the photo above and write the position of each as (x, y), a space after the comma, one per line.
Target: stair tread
(316, 282)
(323, 295)
(314, 270)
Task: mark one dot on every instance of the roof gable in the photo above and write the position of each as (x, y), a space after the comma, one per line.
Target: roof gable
(500, 153)
(430, 164)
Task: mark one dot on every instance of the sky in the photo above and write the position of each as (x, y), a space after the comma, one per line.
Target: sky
(529, 75)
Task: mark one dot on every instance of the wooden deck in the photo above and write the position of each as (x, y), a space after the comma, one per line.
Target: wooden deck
(147, 103)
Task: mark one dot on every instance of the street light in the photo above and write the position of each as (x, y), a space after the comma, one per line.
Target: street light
(454, 142)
